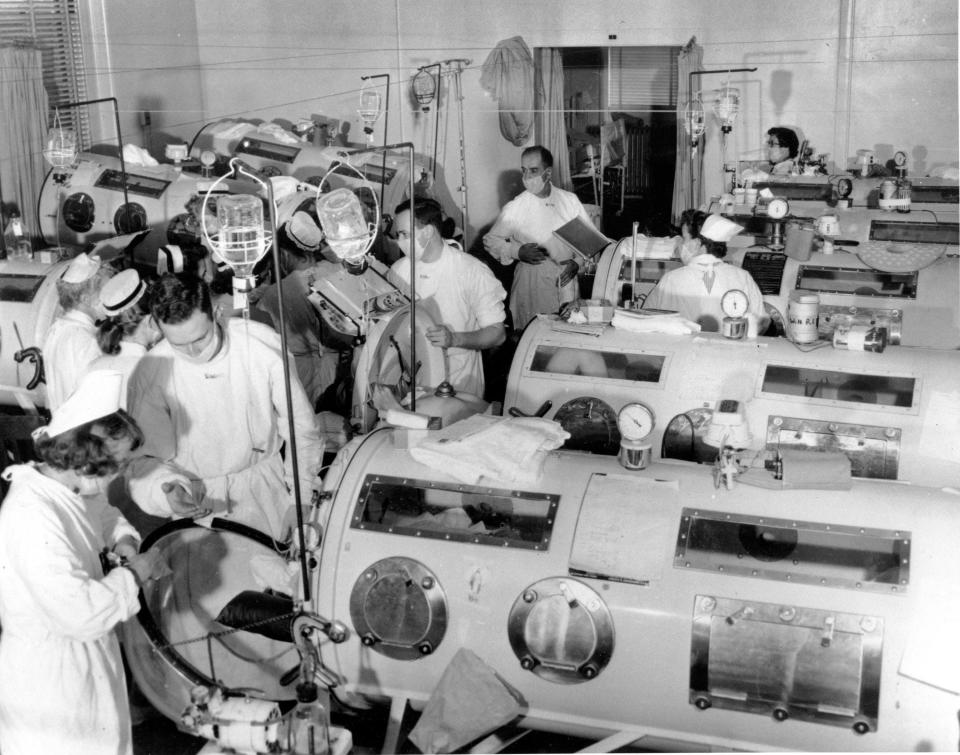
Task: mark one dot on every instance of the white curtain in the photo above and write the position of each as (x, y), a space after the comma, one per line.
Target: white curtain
(689, 168)
(23, 118)
(548, 124)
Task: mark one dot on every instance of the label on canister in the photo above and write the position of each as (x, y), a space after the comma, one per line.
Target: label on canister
(802, 314)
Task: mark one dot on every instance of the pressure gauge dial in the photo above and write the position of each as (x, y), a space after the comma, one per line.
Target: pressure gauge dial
(635, 421)
(900, 159)
(844, 188)
(777, 208)
(734, 303)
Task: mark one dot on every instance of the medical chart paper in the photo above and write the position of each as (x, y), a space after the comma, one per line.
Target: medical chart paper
(618, 513)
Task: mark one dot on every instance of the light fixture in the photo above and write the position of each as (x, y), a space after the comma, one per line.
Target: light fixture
(369, 110)
(424, 88)
(726, 106)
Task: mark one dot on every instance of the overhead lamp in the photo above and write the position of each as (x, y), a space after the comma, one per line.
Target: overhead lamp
(424, 88)
(726, 105)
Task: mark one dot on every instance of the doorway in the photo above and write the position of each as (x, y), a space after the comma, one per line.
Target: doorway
(620, 107)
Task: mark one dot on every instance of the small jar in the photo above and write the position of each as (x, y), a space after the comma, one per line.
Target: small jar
(803, 313)
(860, 338)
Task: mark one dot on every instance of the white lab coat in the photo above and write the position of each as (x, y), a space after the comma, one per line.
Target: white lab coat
(466, 296)
(685, 291)
(532, 219)
(69, 348)
(62, 685)
(223, 423)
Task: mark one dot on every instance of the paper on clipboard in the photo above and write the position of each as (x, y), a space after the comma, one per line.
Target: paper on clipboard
(582, 238)
(618, 513)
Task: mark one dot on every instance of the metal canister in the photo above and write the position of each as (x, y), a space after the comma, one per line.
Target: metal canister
(803, 311)
(860, 338)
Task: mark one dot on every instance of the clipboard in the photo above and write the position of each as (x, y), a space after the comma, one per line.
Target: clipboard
(582, 237)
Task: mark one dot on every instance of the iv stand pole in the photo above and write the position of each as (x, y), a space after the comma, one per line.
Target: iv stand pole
(690, 76)
(457, 65)
(386, 126)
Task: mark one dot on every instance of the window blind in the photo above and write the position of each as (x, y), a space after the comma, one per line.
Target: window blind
(643, 78)
(54, 27)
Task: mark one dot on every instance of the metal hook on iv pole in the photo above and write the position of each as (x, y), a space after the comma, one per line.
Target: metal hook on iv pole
(386, 127)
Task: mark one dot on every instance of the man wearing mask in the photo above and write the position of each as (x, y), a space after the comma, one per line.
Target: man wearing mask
(212, 395)
(546, 274)
(460, 292)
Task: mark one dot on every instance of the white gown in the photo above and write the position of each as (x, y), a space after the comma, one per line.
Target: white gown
(62, 685)
(69, 348)
(224, 422)
(684, 290)
(533, 219)
(466, 296)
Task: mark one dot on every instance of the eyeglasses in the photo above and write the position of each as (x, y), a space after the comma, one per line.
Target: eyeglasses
(773, 143)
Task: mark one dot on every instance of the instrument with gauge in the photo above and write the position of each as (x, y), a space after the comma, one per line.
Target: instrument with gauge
(734, 305)
(777, 209)
(635, 422)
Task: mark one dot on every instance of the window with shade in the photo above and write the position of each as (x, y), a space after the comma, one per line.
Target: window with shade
(55, 27)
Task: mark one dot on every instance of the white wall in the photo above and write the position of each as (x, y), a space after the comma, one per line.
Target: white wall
(850, 73)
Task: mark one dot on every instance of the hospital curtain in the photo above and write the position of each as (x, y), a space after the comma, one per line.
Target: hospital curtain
(23, 118)
(690, 59)
(548, 123)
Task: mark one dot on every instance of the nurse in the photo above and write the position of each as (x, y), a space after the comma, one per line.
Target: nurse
(62, 686)
(71, 342)
(696, 289)
(783, 145)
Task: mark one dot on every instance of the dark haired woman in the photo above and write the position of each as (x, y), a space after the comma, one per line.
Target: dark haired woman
(62, 686)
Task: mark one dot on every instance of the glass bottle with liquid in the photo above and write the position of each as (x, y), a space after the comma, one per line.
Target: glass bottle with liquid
(310, 722)
(860, 338)
(15, 239)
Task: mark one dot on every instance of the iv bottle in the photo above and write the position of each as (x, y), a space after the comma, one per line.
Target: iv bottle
(310, 723)
(860, 338)
(16, 241)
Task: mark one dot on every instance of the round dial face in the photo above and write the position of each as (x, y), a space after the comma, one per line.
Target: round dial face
(778, 208)
(635, 421)
(844, 188)
(900, 159)
(734, 303)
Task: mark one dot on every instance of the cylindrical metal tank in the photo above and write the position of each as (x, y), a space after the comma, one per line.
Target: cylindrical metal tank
(652, 604)
(892, 413)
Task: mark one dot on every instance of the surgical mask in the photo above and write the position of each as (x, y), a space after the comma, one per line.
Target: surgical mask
(418, 248)
(689, 249)
(91, 485)
(208, 351)
(534, 184)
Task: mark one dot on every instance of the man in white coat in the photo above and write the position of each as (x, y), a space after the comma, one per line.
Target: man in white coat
(459, 291)
(211, 399)
(546, 271)
(71, 343)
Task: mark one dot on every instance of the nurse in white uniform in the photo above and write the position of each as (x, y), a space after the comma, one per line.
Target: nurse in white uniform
(62, 686)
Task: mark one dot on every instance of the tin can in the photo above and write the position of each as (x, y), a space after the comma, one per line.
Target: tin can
(803, 311)
(860, 338)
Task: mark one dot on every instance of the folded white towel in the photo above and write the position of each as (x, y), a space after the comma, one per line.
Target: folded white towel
(648, 322)
(510, 449)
